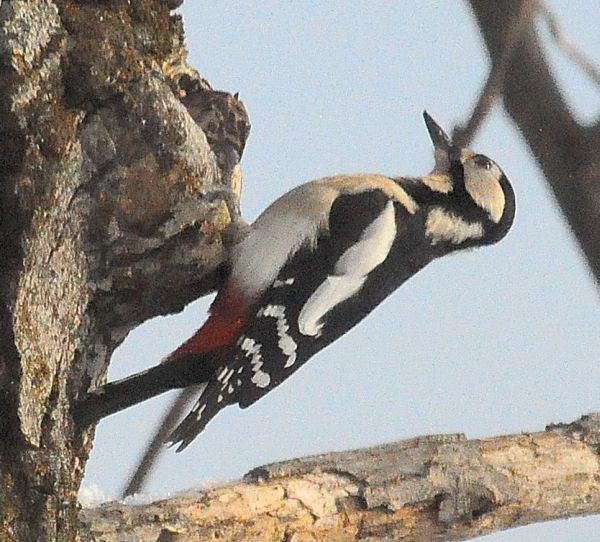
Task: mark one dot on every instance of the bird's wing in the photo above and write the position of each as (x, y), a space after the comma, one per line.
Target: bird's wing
(314, 298)
(305, 307)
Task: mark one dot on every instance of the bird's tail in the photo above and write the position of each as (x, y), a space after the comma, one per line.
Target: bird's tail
(221, 390)
(204, 410)
(121, 394)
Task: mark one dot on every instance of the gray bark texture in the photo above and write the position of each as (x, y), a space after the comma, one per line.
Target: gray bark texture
(422, 490)
(118, 170)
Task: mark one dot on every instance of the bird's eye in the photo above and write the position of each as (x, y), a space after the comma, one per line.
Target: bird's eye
(482, 161)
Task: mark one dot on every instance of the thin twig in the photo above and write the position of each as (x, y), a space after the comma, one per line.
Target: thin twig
(463, 134)
(156, 445)
(574, 54)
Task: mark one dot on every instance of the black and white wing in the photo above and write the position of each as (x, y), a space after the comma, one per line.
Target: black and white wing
(327, 287)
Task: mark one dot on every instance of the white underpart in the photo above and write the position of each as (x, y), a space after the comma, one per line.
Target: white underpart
(286, 343)
(252, 350)
(275, 237)
(443, 226)
(351, 271)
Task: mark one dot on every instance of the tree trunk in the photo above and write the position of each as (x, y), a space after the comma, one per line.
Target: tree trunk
(119, 173)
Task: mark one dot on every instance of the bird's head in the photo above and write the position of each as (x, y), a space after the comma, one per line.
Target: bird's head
(477, 191)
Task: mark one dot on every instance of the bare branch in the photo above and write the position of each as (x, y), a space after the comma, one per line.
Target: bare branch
(568, 48)
(431, 488)
(492, 88)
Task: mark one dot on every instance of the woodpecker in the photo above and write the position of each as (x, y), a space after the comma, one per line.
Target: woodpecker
(312, 266)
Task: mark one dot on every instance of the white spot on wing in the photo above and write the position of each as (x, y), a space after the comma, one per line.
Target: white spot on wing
(200, 411)
(261, 379)
(295, 220)
(199, 406)
(281, 283)
(372, 248)
(224, 376)
(351, 271)
(286, 343)
(443, 226)
(252, 350)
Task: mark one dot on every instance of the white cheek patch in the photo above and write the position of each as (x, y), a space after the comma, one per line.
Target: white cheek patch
(351, 271)
(443, 226)
(484, 187)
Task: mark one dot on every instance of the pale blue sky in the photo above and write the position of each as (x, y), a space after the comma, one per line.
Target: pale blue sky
(499, 340)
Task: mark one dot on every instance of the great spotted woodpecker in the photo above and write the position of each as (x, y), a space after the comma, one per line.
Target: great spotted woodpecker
(313, 265)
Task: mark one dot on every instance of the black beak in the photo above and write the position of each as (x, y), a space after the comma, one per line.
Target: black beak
(438, 136)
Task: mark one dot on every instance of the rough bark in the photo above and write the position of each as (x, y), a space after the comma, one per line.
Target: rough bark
(118, 170)
(431, 488)
(567, 152)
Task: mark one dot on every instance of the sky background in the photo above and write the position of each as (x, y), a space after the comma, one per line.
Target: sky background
(499, 340)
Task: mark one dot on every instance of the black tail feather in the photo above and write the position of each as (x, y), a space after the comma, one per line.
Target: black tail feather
(221, 390)
(209, 404)
(121, 394)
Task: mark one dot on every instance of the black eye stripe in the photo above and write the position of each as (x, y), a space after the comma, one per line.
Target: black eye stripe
(482, 161)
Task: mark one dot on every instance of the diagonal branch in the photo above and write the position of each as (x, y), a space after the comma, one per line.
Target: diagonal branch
(566, 152)
(440, 487)
(492, 88)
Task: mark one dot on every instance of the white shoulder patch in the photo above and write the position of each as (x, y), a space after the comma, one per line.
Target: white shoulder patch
(330, 293)
(350, 270)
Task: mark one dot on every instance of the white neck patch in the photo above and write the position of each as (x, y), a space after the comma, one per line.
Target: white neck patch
(443, 226)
